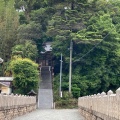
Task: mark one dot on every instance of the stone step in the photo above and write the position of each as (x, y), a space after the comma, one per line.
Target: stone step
(45, 99)
(45, 85)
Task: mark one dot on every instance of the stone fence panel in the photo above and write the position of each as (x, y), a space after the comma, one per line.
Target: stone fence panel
(101, 106)
(15, 105)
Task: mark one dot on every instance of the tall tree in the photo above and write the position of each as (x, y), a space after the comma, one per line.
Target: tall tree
(26, 6)
(9, 22)
(95, 36)
(27, 50)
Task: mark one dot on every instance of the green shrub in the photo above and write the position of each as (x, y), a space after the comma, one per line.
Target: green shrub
(26, 75)
(70, 103)
(75, 92)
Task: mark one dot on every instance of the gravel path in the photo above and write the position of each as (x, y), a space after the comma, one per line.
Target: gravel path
(64, 114)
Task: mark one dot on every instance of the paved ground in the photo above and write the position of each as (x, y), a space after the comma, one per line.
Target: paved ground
(45, 100)
(64, 114)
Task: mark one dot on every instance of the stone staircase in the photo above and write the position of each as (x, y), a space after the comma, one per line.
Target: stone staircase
(45, 93)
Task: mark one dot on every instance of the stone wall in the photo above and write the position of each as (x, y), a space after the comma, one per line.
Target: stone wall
(9, 113)
(93, 115)
(15, 105)
(101, 106)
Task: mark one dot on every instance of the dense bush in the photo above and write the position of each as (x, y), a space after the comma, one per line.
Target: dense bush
(26, 75)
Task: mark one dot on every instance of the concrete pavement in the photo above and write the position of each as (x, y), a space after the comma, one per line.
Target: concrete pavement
(52, 114)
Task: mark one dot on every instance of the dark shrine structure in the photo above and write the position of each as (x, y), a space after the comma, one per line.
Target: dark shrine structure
(46, 56)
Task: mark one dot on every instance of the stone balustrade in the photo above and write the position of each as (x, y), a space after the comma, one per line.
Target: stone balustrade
(101, 106)
(15, 105)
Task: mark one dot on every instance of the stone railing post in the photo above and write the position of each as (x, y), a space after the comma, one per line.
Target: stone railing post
(102, 104)
(1, 101)
(118, 102)
(109, 93)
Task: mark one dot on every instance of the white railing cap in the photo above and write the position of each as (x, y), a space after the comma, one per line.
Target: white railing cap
(98, 94)
(103, 93)
(118, 91)
(109, 92)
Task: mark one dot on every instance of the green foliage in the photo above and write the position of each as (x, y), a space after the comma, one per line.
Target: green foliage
(67, 100)
(28, 6)
(27, 50)
(93, 25)
(69, 104)
(96, 33)
(22, 18)
(26, 76)
(9, 21)
(35, 30)
(75, 91)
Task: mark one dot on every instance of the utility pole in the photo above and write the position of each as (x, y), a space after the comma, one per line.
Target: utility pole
(60, 75)
(70, 67)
